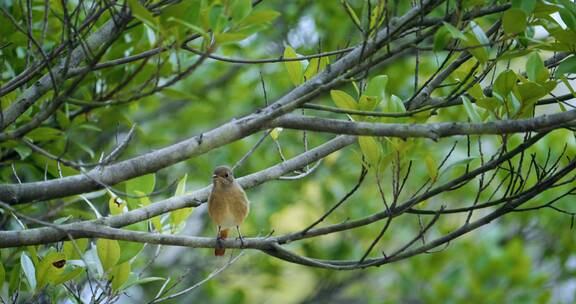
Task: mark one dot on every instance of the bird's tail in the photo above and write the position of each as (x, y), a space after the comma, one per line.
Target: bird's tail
(223, 235)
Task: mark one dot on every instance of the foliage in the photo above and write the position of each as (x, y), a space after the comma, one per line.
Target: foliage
(160, 99)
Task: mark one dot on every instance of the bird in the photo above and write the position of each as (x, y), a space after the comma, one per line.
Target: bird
(228, 205)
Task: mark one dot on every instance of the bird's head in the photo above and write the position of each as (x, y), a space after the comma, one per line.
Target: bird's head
(222, 175)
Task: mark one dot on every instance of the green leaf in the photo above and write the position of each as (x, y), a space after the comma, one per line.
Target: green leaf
(142, 281)
(70, 251)
(476, 91)
(431, 167)
(475, 38)
(185, 10)
(471, 110)
(513, 104)
(529, 93)
(108, 253)
(568, 14)
(567, 66)
(85, 148)
(216, 18)
(505, 82)
(395, 105)
(459, 163)
(119, 275)
(128, 250)
(87, 126)
(568, 85)
(527, 6)
(44, 134)
(177, 217)
(294, 68)
(479, 33)
(351, 13)
(368, 103)
(156, 221)
(543, 10)
(259, 17)
(177, 94)
(535, 69)
(33, 254)
(240, 9)
(514, 21)
(454, 32)
(63, 120)
(191, 26)
(377, 87)
(343, 100)
(488, 103)
(67, 276)
(50, 268)
(23, 151)
(371, 149)
(141, 13)
(2, 275)
(14, 280)
(226, 38)
(441, 39)
(143, 184)
(315, 66)
(29, 270)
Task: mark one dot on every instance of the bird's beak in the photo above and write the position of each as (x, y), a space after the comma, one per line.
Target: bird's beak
(214, 176)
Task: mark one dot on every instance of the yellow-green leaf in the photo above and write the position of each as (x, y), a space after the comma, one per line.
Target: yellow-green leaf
(2, 275)
(535, 69)
(315, 66)
(471, 110)
(240, 9)
(116, 205)
(377, 87)
(368, 103)
(431, 167)
(351, 13)
(71, 252)
(371, 149)
(259, 17)
(108, 253)
(50, 268)
(294, 68)
(44, 134)
(128, 250)
(514, 21)
(144, 184)
(178, 216)
(224, 38)
(67, 276)
(141, 13)
(119, 275)
(505, 82)
(157, 220)
(343, 100)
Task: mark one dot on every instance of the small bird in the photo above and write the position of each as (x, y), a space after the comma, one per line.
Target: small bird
(227, 205)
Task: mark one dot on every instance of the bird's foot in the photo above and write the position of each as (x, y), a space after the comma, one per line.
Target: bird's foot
(241, 241)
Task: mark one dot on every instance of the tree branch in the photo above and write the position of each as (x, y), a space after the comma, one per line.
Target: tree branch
(431, 130)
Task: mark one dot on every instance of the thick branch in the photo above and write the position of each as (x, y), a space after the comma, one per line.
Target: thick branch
(430, 130)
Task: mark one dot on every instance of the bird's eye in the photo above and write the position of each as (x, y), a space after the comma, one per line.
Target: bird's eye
(225, 174)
